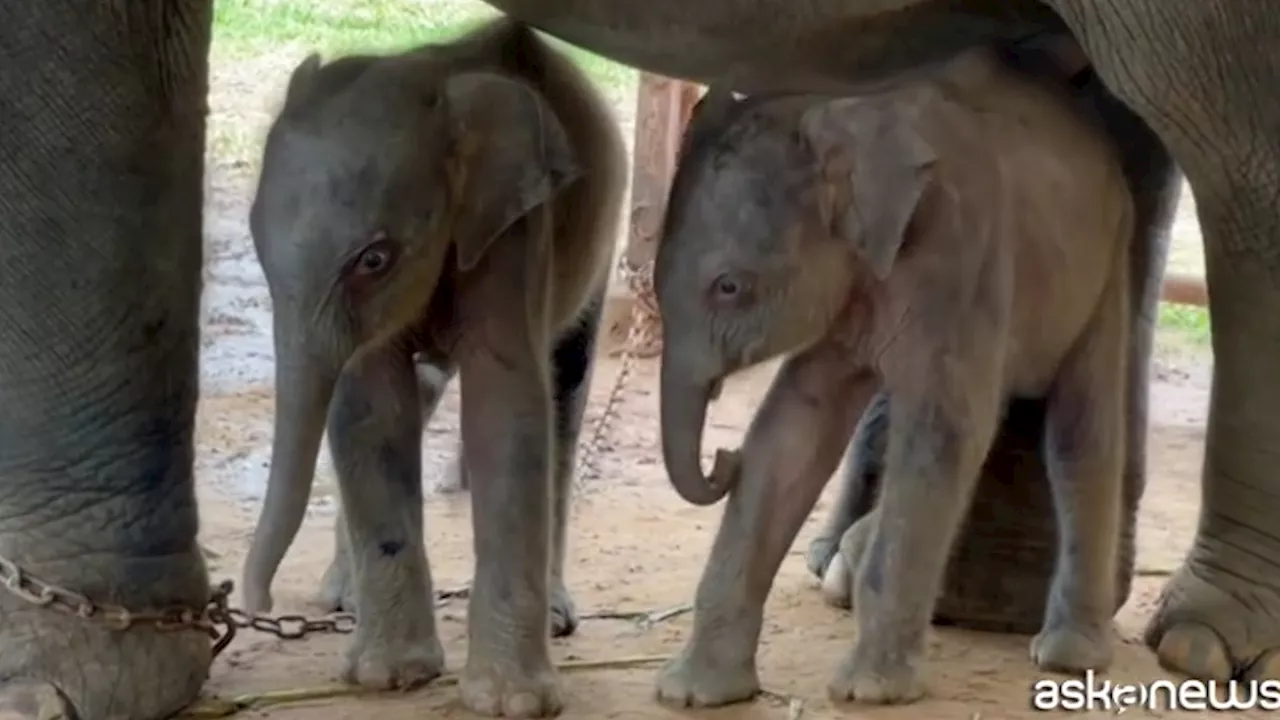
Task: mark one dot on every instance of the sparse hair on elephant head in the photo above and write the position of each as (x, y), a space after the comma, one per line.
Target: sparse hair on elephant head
(781, 208)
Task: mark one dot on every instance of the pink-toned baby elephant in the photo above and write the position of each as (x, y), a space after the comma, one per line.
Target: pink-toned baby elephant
(962, 241)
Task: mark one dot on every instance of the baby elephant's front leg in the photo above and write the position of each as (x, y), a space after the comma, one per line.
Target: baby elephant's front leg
(375, 435)
(506, 441)
(934, 456)
(794, 444)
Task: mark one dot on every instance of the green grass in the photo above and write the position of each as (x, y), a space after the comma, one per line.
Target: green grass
(1186, 322)
(245, 29)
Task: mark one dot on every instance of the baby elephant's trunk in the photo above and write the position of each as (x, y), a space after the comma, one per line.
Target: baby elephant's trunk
(683, 413)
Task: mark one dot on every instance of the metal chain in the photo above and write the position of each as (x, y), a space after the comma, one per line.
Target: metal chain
(32, 589)
(217, 620)
(220, 621)
(641, 338)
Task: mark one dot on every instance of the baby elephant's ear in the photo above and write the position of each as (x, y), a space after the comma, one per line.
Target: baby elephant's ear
(511, 156)
(873, 168)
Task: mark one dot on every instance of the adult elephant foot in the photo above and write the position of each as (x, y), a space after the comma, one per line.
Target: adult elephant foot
(58, 665)
(1217, 625)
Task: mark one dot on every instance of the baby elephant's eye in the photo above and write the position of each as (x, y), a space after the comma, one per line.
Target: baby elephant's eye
(376, 258)
(726, 286)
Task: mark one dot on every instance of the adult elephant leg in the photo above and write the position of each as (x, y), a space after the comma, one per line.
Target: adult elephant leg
(1219, 616)
(572, 366)
(101, 173)
(1000, 572)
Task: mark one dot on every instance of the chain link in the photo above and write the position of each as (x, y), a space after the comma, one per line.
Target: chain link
(42, 593)
(217, 620)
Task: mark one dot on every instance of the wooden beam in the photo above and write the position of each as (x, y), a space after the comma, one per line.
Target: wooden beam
(662, 110)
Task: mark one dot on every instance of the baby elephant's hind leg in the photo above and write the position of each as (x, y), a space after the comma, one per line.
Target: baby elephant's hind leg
(1084, 445)
(572, 364)
(837, 583)
(859, 486)
(434, 371)
(336, 589)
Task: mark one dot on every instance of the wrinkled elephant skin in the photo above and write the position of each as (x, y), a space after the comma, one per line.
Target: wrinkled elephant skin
(1218, 127)
(101, 184)
(115, 299)
(456, 203)
(911, 240)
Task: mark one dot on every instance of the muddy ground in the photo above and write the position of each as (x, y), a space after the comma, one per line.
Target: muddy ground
(634, 544)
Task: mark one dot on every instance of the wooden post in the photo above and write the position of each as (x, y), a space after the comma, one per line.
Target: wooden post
(663, 106)
(1184, 290)
(662, 110)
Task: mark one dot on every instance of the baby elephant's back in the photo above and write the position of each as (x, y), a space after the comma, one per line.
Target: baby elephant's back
(1070, 213)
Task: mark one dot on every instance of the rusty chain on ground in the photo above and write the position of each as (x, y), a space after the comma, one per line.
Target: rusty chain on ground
(217, 620)
(221, 621)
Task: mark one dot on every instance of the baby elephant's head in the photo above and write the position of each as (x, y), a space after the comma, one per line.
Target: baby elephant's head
(375, 172)
(781, 208)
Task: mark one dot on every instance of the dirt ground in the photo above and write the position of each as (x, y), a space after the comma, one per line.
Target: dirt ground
(634, 544)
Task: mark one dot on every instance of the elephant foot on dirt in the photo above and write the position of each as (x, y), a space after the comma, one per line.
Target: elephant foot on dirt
(497, 686)
(822, 551)
(1216, 625)
(700, 677)
(876, 673)
(394, 662)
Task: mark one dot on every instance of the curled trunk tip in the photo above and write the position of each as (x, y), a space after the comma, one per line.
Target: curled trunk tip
(684, 411)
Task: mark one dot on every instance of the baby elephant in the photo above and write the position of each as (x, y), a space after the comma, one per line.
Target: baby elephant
(958, 242)
(453, 206)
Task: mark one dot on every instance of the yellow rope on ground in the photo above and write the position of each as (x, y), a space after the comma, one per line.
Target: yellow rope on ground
(209, 708)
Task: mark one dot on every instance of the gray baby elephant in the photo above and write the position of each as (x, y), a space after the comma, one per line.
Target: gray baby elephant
(457, 203)
(957, 242)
